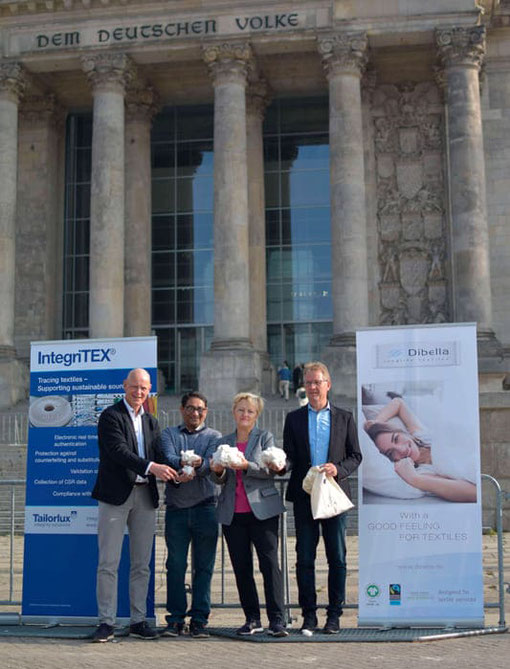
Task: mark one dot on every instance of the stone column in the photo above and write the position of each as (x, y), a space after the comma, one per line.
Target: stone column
(12, 86)
(256, 102)
(140, 109)
(107, 74)
(232, 363)
(39, 218)
(461, 51)
(344, 57)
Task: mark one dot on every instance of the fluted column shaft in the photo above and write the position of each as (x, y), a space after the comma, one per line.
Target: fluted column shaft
(461, 51)
(138, 231)
(228, 67)
(12, 84)
(256, 102)
(107, 74)
(344, 57)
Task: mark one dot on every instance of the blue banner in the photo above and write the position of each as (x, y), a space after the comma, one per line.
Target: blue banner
(71, 382)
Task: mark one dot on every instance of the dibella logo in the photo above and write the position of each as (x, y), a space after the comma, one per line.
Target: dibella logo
(427, 354)
(83, 355)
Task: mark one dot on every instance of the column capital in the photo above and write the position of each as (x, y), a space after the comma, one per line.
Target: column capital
(108, 71)
(257, 98)
(228, 61)
(142, 103)
(343, 53)
(461, 46)
(13, 80)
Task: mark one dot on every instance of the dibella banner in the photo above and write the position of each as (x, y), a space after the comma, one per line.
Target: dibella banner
(420, 528)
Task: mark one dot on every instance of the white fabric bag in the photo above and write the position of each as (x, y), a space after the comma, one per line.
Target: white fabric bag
(327, 498)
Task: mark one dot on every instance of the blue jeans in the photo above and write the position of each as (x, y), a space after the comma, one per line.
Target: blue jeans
(307, 539)
(197, 525)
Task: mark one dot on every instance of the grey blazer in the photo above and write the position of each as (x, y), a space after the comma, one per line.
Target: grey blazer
(263, 496)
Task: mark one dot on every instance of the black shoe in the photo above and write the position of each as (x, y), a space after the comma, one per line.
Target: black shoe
(173, 629)
(103, 633)
(143, 631)
(197, 630)
(309, 624)
(277, 629)
(250, 627)
(332, 625)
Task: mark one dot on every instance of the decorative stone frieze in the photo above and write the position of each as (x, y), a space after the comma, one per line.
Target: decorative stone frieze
(409, 151)
(344, 51)
(142, 103)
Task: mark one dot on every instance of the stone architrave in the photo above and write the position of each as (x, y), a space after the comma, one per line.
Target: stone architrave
(232, 363)
(141, 105)
(461, 51)
(344, 57)
(13, 83)
(108, 74)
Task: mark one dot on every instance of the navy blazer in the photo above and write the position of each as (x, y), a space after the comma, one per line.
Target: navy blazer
(263, 495)
(343, 451)
(119, 462)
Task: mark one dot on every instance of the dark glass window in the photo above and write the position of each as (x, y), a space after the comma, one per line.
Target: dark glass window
(298, 229)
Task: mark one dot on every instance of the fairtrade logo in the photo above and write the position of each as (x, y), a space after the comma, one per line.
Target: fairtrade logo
(373, 590)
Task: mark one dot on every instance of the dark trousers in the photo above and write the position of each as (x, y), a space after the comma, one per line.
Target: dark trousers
(244, 532)
(307, 539)
(197, 525)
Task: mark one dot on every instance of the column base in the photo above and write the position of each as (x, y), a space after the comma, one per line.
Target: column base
(340, 358)
(14, 381)
(225, 372)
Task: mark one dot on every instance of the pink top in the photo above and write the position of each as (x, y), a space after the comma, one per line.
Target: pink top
(241, 505)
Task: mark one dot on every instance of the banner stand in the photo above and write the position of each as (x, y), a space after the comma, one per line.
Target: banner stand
(71, 382)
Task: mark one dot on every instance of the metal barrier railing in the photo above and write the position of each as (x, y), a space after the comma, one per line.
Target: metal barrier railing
(12, 517)
(14, 428)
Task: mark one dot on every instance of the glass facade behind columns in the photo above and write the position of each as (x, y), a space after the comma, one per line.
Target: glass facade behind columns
(297, 229)
(182, 241)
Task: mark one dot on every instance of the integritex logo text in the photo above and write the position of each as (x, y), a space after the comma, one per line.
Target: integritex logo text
(79, 357)
(428, 354)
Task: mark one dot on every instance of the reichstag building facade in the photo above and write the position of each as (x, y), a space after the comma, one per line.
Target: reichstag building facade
(252, 181)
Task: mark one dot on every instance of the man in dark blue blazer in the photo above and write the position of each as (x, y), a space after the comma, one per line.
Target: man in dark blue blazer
(129, 448)
(319, 434)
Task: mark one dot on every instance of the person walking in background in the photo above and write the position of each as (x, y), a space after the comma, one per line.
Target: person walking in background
(319, 434)
(284, 376)
(190, 518)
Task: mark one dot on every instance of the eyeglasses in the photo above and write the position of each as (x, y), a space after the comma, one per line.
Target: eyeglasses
(191, 409)
(309, 384)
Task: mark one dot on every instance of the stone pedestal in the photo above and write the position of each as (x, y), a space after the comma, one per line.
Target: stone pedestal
(107, 74)
(232, 364)
(344, 58)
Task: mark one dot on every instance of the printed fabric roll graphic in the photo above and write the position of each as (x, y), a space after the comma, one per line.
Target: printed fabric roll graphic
(50, 411)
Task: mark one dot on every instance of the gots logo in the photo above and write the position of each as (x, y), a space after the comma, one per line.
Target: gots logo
(373, 590)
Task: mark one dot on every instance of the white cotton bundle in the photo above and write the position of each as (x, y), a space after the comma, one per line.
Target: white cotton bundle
(274, 456)
(226, 456)
(189, 457)
(188, 470)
